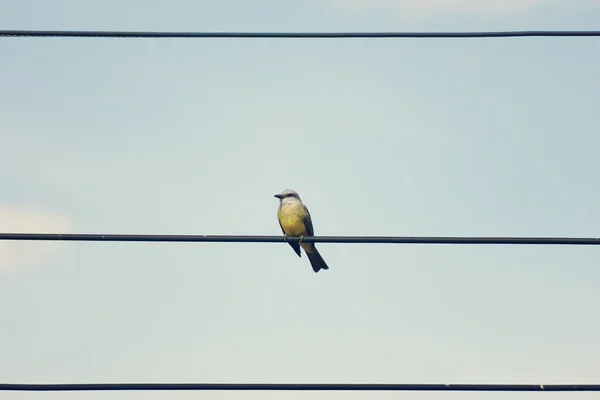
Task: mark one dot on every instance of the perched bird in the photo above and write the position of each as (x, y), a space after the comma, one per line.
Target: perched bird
(295, 221)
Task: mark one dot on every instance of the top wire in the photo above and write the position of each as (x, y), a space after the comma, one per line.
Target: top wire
(101, 237)
(292, 35)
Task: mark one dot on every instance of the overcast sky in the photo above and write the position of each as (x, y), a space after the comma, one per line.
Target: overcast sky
(424, 137)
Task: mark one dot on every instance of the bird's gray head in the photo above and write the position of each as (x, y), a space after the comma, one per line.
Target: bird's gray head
(287, 194)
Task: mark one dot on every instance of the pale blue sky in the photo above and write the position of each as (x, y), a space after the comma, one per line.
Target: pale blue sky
(495, 137)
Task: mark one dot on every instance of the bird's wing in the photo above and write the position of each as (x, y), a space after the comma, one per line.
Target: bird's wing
(308, 223)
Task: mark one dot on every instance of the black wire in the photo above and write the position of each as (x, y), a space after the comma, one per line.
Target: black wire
(299, 387)
(289, 35)
(93, 237)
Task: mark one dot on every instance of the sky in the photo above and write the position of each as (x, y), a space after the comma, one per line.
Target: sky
(399, 137)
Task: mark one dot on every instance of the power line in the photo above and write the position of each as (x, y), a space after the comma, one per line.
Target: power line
(294, 35)
(99, 237)
(299, 387)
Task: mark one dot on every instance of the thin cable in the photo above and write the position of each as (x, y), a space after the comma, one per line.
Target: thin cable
(297, 387)
(92, 237)
(291, 35)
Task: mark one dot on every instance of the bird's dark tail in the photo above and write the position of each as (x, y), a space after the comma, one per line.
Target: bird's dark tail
(316, 260)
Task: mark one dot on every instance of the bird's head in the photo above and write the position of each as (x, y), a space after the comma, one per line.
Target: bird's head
(286, 194)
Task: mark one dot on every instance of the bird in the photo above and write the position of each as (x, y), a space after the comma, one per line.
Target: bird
(294, 220)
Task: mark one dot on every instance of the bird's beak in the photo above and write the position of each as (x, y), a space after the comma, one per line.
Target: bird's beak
(279, 196)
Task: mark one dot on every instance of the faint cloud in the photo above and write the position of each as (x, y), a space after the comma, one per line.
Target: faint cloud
(426, 8)
(18, 219)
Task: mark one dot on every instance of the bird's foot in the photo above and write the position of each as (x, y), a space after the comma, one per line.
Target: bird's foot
(300, 239)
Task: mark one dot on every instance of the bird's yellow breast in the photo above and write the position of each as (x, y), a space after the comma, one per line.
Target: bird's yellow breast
(291, 217)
